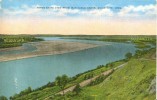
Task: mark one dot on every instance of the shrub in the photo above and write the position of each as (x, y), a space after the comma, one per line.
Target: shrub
(3, 98)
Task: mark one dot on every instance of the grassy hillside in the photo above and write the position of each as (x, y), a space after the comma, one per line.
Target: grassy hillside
(132, 82)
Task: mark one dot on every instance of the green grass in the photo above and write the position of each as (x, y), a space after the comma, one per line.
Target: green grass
(142, 45)
(128, 83)
(40, 94)
(7, 41)
(95, 72)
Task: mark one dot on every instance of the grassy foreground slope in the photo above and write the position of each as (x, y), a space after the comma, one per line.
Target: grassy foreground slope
(132, 82)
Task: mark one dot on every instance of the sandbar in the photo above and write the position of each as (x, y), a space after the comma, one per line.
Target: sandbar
(46, 48)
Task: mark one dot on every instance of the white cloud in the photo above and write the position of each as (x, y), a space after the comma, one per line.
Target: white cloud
(34, 10)
(96, 12)
(25, 10)
(61, 11)
(138, 10)
(56, 11)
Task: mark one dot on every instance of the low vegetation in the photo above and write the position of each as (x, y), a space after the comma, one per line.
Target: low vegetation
(3, 98)
(62, 81)
(140, 42)
(7, 41)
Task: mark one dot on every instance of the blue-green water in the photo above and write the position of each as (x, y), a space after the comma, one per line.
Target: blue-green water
(17, 75)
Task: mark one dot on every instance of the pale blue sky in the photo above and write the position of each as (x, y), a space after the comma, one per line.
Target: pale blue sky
(78, 3)
(129, 8)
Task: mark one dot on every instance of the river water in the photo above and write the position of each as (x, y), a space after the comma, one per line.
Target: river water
(18, 75)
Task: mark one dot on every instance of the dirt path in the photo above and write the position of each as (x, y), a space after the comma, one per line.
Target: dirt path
(116, 68)
(153, 56)
(120, 66)
(86, 82)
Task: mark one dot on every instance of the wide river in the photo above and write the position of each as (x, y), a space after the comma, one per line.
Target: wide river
(18, 75)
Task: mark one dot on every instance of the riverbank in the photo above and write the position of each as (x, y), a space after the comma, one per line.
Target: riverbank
(46, 48)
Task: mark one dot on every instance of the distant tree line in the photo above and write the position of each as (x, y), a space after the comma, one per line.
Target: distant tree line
(14, 41)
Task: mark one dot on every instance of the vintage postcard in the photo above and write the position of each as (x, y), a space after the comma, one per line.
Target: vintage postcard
(78, 49)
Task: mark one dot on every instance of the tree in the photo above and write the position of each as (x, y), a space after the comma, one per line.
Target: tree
(128, 55)
(26, 91)
(29, 90)
(77, 89)
(62, 81)
(3, 98)
(138, 53)
(111, 65)
(1, 40)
